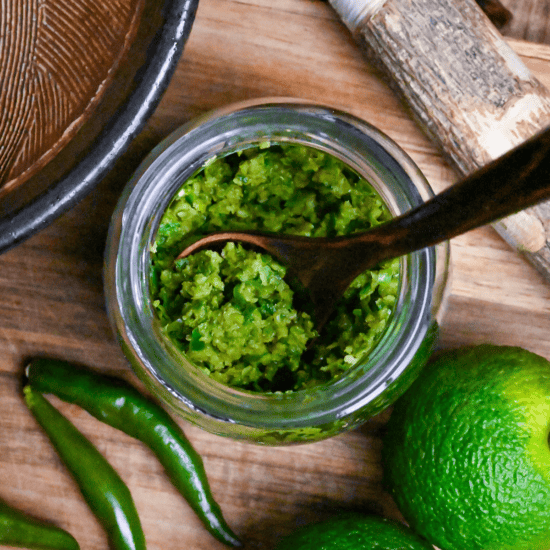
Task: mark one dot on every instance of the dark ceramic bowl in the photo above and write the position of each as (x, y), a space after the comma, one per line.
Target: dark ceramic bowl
(62, 130)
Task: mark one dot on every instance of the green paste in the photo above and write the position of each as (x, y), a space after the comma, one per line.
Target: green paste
(231, 312)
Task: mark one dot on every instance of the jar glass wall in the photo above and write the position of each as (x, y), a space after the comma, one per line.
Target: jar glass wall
(305, 415)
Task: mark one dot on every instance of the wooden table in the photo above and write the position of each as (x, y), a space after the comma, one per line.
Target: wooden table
(51, 297)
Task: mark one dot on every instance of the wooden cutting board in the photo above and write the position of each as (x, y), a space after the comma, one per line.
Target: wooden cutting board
(51, 297)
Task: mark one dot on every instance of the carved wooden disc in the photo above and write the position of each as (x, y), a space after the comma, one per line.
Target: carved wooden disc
(56, 60)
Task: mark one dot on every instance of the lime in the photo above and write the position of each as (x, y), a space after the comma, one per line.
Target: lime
(354, 532)
(466, 455)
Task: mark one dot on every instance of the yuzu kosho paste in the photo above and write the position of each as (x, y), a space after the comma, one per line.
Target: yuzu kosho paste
(231, 313)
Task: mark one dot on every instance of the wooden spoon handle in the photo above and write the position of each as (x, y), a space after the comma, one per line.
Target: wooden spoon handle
(496, 12)
(466, 87)
(516, 180)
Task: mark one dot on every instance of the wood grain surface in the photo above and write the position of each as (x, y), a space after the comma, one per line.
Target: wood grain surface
(530, 20)
(51, 297)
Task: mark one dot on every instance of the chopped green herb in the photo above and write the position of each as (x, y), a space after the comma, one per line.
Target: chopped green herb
(232, 313)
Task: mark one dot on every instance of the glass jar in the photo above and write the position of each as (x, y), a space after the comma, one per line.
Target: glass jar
(306, 415)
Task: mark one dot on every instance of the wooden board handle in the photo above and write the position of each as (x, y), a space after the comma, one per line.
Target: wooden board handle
(466, 87)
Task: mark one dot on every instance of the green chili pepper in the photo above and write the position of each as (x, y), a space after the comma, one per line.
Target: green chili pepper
(19, 529)
(117, 403)
(105, 493)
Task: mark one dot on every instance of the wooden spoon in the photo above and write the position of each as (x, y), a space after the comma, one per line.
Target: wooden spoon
(326, 266)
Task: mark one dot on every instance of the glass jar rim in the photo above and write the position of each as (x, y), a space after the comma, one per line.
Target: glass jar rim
(154, 184)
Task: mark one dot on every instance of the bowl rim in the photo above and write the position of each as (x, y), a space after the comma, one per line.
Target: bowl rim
(161, 58)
